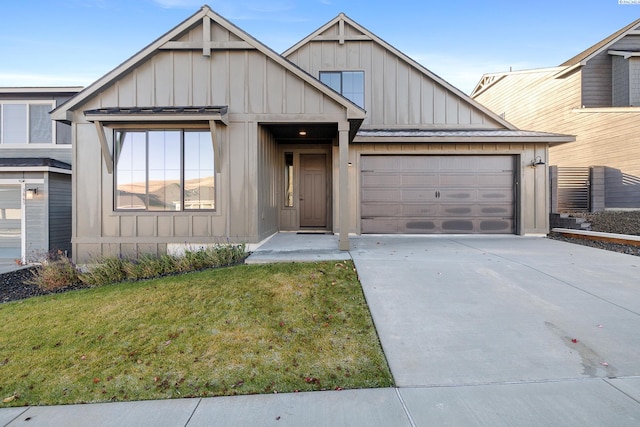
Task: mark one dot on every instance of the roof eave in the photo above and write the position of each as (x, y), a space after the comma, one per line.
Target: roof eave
(43, 90)
(551, 140)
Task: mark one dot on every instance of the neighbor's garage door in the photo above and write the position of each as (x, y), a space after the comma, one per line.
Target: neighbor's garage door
(437, 194)
(10, 221)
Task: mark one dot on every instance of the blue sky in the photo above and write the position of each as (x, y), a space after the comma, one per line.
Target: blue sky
(74, 42)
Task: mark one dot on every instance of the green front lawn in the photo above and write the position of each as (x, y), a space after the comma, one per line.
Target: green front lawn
(238, 330)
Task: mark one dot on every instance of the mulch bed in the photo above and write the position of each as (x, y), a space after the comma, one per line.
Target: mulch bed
(13, 286)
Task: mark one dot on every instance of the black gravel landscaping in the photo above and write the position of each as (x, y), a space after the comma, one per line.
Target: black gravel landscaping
(615, 247)
(619, 222)
(13, 286)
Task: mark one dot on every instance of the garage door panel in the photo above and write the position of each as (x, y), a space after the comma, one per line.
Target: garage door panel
(461, 194)
(378, 180)
(418, 163)
(498, 226)
(382, 210)
(381, 225)
(448, 179)
(495, 196)
(420, 179)
(397, 210)
(506, 211)
(381, 195)
(455, 194)
(416, 195)
(419, 210)
(418, 226)
(502, 179)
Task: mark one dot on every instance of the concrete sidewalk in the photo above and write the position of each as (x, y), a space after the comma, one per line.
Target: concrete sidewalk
(478, 330)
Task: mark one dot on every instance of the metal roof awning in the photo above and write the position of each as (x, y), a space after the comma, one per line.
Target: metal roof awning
(447, 135)
(155, 114)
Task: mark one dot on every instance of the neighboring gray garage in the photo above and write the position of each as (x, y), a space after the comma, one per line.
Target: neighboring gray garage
(437, 194)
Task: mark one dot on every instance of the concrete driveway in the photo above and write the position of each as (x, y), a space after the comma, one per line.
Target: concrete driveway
(489, 325)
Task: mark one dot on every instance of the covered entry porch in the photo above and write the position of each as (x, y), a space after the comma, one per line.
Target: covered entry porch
(311, 176)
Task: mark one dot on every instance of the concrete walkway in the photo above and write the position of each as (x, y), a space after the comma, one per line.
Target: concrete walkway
(477, 330)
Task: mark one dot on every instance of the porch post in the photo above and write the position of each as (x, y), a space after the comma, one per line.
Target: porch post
(343, 194)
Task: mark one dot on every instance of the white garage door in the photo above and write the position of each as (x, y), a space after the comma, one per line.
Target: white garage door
(10, 221)
(437, 194)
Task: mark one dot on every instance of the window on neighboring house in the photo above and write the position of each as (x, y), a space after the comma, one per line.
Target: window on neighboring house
(26, 123)
(164, 170)
(349, 84)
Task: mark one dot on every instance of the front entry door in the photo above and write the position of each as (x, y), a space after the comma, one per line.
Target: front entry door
(313, 190)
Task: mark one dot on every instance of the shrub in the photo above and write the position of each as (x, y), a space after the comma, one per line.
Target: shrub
(106, 270)
(148, 266)
(61, 272)
(55, 274)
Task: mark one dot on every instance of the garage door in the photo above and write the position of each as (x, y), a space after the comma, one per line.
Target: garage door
(437, 194)
(10, 221)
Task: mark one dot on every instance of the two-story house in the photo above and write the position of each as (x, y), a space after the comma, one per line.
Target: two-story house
(35, 173)
(596, 96)
(207, 135)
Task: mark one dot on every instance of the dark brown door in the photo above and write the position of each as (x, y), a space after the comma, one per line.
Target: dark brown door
(313, 190)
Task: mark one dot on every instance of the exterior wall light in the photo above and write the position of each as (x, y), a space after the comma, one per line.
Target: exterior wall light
(302, 133)
(30, 193)
(537, 162)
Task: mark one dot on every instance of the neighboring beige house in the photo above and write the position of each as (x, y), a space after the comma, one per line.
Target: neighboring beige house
(207, 135)
(35, 173)
(595, 96)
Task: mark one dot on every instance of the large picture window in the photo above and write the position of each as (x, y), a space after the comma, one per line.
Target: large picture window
(349, 84)
(164, 170)
(26, 123)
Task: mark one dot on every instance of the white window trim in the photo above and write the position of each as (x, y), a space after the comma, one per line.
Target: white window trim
(28, 102)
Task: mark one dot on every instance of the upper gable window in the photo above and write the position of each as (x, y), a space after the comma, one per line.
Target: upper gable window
(349, 84)
(164, 170)
(26, 123)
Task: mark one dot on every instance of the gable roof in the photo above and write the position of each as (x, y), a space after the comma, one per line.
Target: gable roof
(202, 16)
(489, 79)
(601, 45)
(365, 34)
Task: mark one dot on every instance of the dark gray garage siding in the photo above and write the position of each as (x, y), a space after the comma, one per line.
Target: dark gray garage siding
(437, 194)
